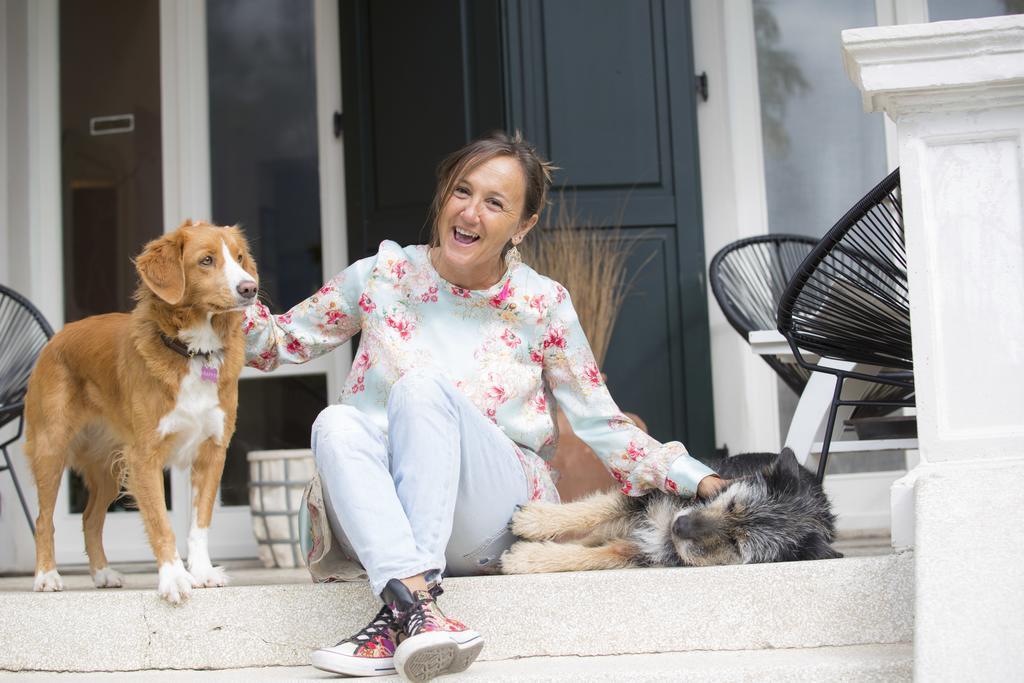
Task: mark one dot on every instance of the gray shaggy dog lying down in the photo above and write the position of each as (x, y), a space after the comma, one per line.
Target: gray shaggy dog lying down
(772, 511)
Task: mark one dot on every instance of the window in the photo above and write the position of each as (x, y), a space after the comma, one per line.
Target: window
(110, 161)
(263, 139)
(822, 152)
(264, 175)
(946, 10)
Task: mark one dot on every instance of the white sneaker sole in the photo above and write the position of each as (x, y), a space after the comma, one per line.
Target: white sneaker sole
(427, 655)
(337, 663)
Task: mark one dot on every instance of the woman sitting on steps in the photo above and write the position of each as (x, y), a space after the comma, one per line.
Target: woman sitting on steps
(436, 436)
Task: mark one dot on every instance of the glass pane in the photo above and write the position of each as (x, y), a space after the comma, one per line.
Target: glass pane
(263, 138)
(112, 189)
(273, 413)
(945, 10)
(822, 152)
(110, 148)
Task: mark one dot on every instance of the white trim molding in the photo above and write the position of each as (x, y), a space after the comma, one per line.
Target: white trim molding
(5, 97)
(184, 112)
(889, 12)
(331, 155)
(331, 149)
(953, 65)
(46, 288)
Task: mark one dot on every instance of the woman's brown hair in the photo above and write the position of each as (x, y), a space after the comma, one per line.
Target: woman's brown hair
(536, 171)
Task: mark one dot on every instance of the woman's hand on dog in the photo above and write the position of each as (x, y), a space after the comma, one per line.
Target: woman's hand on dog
(710, 486)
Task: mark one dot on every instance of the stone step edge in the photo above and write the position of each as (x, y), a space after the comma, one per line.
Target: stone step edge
(852, 601)
(893, 662)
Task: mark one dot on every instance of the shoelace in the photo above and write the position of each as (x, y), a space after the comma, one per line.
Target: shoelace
(422, 613)
(419, 613)
(381, 623)
(416, 618)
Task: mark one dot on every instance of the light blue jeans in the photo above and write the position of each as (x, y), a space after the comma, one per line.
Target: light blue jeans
(433, 495)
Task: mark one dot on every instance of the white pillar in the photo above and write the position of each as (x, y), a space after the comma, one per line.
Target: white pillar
(956, 93)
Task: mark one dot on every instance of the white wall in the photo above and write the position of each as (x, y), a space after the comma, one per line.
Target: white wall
(5, 39)
(15, 141)
(16, 187)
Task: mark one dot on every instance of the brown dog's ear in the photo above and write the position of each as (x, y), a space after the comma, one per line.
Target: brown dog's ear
(161, 266)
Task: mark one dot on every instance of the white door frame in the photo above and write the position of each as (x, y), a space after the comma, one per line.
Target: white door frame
(186, 194)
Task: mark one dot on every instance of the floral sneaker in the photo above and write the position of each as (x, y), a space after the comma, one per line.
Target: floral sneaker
(367, 653)
(431, 643)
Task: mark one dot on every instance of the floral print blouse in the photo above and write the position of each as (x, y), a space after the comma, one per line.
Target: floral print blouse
(510, 349)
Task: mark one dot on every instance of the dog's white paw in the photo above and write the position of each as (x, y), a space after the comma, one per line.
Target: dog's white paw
(107, 578)
(175, 582)
(533, 521)
(208, 576)
(48, 582)
(510, 563)
(524, 557)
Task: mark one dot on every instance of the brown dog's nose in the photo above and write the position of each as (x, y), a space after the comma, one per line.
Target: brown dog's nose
(247, 289)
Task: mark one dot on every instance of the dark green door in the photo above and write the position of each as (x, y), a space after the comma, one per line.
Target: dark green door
(605, 88)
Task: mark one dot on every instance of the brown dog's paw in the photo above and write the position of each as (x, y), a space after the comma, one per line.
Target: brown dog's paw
(536, 521)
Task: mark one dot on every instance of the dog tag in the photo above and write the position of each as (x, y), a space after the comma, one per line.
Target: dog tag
(209, 374)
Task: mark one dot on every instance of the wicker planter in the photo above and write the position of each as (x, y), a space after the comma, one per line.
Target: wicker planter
(276, 482)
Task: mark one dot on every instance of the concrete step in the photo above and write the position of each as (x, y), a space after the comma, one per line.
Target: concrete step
(868, 663)
(829, 603)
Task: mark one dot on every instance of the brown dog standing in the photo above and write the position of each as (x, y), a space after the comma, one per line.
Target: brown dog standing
(120, 397)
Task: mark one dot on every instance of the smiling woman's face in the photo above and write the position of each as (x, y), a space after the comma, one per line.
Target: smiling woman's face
(482, 214)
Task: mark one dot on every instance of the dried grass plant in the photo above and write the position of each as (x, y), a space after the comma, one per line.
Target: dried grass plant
(590, 264)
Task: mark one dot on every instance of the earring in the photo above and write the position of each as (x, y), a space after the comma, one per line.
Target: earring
(512, 257)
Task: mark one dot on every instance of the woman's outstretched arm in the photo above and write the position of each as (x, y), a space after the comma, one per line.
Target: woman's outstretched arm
(637, 461)
(312, 327)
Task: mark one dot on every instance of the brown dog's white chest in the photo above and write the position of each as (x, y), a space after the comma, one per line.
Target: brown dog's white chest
(197, 414)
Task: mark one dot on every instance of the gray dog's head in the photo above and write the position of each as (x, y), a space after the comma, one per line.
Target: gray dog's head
(772, 512)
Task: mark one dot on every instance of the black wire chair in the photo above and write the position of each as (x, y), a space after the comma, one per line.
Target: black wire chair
(748, 277)
(848, 301)
(23, 333)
